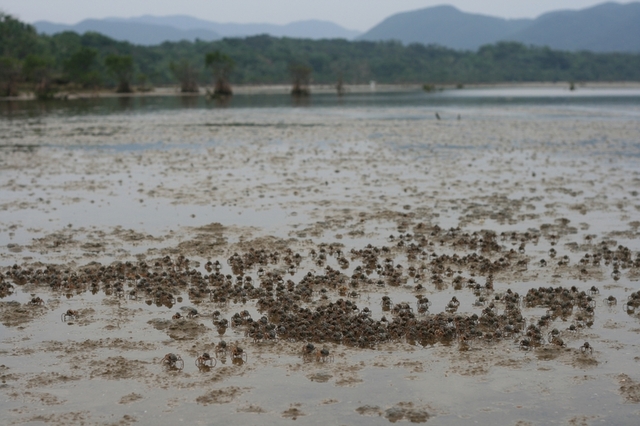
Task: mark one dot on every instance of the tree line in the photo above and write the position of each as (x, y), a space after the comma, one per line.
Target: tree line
(90, 61)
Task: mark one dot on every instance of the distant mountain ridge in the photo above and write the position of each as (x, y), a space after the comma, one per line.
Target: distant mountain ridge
(138, 33)
(313, 29)
(445, 26)
(151, 30)
(608, 27)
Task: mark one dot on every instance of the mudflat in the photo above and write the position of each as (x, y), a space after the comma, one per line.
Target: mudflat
(354, 265)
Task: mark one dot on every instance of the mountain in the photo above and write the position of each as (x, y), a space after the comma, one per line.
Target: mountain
(445, 26)
(151, 30)
(313, 29)
(608, 27)
(136, 33)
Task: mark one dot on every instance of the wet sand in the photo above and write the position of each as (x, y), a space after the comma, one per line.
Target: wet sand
(370, 203)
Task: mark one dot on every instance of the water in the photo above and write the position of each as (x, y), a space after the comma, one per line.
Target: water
(623, 100)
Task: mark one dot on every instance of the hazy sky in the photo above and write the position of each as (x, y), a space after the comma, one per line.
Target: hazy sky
(352, 14)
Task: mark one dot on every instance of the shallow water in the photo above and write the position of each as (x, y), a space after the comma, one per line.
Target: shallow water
(619, 100)
(86, 182)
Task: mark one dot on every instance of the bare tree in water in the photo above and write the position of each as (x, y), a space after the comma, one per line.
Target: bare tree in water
(339, 70)
(300, 79)
(186, 74)
(221, 66)
(121, 68)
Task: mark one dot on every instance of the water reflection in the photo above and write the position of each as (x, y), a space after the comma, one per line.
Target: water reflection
(301, 101)
(455, 98)
(125, 103)
(189, 101)
(220, 101)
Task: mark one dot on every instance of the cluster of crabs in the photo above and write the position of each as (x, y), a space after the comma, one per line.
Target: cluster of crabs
(314, 297)
(207, 361)
(238, 355)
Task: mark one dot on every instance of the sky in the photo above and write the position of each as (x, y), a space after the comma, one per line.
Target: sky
(352, 14)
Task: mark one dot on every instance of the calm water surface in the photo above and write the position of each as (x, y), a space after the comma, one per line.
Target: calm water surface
(623, 101)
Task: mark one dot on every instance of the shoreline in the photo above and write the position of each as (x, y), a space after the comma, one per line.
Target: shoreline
(284, 89)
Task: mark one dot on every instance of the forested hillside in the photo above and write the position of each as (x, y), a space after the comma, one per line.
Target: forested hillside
(93, 60)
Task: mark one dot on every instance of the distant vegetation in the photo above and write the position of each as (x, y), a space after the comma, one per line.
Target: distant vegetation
(67, 60)
(221, 66)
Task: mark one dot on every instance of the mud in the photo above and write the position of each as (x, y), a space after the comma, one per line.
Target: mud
(629, 389)
(219, 396)
(283, 228)
(180, 329)
(15, 314)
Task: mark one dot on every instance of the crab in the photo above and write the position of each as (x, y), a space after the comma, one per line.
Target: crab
(36, 301)
(5, 289)
(463, 342)
(173, 361)
(308, 351)
(386, 303)
(271, 335)
(221, 348)
(586, 347)
(525, 344)
(69, 314)
(192, 313)
(206, 360)
(176, 316)
(453, 305)
(401, 307)
(573, 328)
(258, 337)
(611, 301)
(423, 305)
(324, 355)
(555, 340)
(510, 330)
(237, 353)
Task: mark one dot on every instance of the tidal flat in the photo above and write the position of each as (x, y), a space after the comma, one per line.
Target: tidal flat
(480, 267)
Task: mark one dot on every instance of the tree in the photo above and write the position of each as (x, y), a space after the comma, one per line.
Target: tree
(339, 69)
(186, 74)
(10, 74)
(300, 78)
(121, 68)
(143, 83)
(38, 70)
(80, 67)
(221, 66)
(17, 39)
